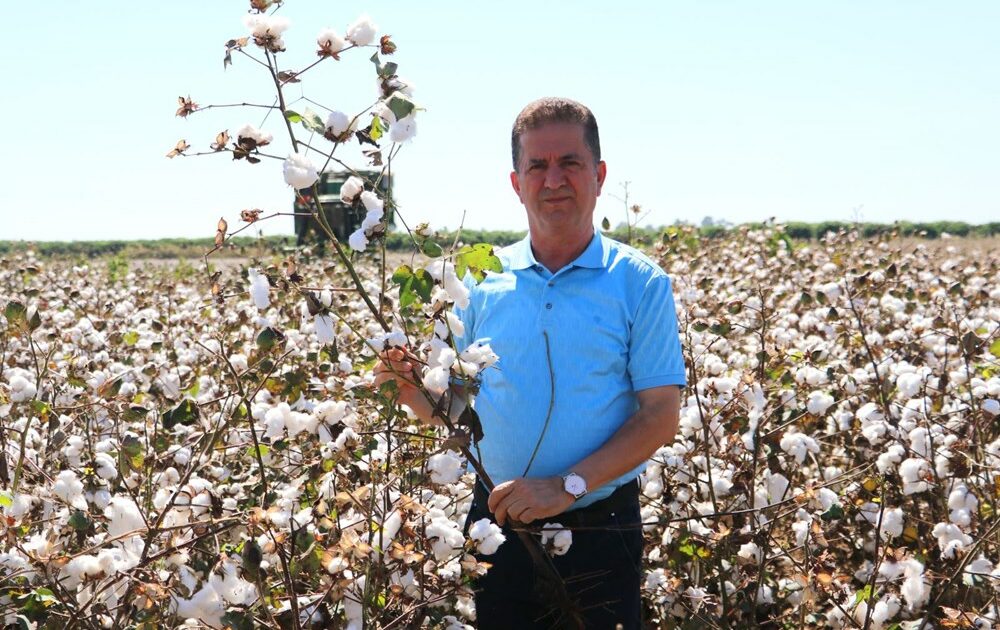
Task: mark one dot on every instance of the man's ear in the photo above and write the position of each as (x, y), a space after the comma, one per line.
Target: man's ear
(602, 174)
(515, 183)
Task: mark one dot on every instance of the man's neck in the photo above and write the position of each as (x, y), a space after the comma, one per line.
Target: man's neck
(555, 252)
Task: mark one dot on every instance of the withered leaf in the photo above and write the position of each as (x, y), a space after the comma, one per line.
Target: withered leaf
(374, 156)
(287, 76)
(364, 136)
(179, 148)
(187, 106)
(221, 140)
(313, 303)
(220, 232)
(250, 215)
(386, 45)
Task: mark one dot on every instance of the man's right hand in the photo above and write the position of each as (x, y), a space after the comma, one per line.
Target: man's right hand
(397, 364)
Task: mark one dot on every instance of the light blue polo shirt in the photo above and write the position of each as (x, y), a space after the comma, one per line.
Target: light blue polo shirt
(612, 331)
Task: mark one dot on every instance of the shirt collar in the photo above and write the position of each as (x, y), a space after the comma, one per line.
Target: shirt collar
(593, 257)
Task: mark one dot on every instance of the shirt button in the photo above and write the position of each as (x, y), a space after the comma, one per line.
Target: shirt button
(549, 306)
(552, 284)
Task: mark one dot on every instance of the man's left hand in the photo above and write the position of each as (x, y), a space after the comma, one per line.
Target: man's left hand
(527, 500)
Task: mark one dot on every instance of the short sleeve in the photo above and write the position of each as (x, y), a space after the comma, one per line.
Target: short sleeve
(655, 357)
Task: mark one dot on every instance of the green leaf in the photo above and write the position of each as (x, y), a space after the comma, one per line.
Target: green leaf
(431, 249)
(412, 284)
(130, 338)
(79, 521)
(605, 224)
(312, 121)
(16, 314)
(423, 284)
(6, 500)
(477, 259)
(835, 512)
(263, 449)
(995, 348)
(45, 595)
(194, 389)
(184, 413)
(133, 452)
(236, 620)
(252, 557)
(268, 338)
(400, 106)
(134, 413)
(865, 594)
(377, 129)
(293, 117)
(721, 329)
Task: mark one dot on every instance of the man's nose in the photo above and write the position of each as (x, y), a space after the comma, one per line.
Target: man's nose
(554, 177)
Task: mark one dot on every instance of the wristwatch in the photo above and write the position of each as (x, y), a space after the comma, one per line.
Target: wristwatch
(574, 484)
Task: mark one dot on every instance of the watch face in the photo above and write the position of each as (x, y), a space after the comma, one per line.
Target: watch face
(575, 485)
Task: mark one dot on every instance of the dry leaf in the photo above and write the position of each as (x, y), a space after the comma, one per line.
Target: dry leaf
(187, 106)
(180, 148)
(250, 215)
(221, 140)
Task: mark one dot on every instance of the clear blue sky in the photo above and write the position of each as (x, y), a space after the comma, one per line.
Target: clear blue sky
(804, 110)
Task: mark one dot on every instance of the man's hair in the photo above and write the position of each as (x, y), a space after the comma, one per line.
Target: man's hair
(555, 110)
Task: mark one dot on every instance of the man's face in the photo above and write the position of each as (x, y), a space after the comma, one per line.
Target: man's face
(557, 180)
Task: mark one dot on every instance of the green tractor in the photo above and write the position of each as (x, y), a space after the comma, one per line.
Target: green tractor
(342, 218)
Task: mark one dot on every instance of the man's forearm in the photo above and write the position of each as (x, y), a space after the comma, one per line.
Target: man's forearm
(642, 434)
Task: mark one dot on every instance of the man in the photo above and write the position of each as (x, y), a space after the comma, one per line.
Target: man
(588, 385)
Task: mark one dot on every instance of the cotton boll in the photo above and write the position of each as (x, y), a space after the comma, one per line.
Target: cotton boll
(444, 273)
(915, 589)
(260, 289)
(403, 129)
(447, 536)
(299, 171)
(205, 605)
(556, 538)
(357, 240)
(338, 123)
(488, 536)
(911, 471)
(819, 402)
(371, 201)
(323, 325)
(261, 138)
(991, 406)
(963, 505)
(480, 353)
(445, 467)
(106, 466)
(951, 538)
(978, 571)
(329, 42)
(123, 517)
(887, 461)
(350, 189)
(372, 218)
(362, 31)
(70, 489)
(798, 445)
(751, 551)
(892, 523)
(436, 380)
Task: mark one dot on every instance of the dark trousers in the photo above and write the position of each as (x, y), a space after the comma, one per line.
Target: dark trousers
(602, 570)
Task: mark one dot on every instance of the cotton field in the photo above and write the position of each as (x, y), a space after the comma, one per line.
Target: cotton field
(195, 449)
